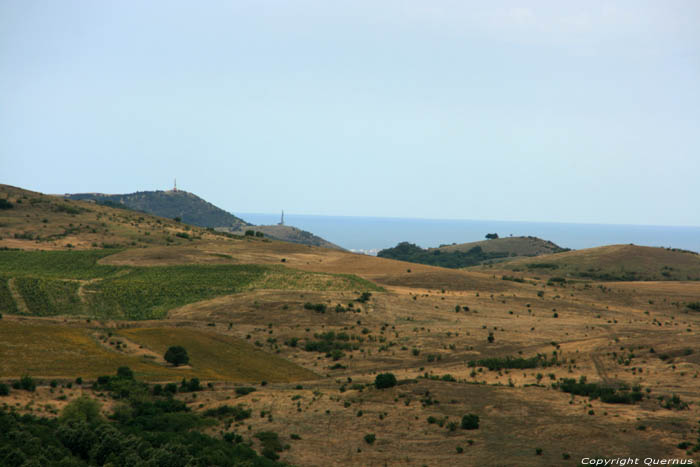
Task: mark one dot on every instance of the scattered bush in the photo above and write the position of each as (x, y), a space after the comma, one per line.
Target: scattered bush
(26, 383)
(370, 438)
(238, 412)
(610, 395)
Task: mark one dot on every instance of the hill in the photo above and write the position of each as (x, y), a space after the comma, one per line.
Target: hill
(190, 208)
(35, 221)
(286, 342)
(615, 263)
(287, 233)
(511, 246)
(471, 254)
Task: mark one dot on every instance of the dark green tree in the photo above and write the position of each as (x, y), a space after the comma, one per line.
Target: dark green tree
(177, 355)
(385, 380)
(470, 422)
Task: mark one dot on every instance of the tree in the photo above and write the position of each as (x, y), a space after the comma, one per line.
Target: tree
(177, 355)
(82, 409)
(491, 236)
(385, 380)
(124, 372)
(470, 422)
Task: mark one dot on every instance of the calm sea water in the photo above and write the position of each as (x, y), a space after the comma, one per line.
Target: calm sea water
(375, 233)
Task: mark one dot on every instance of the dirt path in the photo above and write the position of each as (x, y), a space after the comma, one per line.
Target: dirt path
(22, 307)
(600, 368)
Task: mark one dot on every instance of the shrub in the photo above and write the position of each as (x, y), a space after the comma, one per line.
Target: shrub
(4, 389)
(242, 391)
(385, 380)
(81, 410)
(124, 372)
(695, 306)
(26, 382)
(190, 386)
(364, 298)
(177, 355)
(238, 412)
(5, 204)
(370, 438)
(470, 422)
(607, 394)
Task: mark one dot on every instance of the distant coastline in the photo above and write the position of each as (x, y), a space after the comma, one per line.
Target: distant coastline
(370, 234)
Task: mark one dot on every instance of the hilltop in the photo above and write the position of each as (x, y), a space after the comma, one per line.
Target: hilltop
(190, 208)
(615, 263)
(471, 254)
(510, 246)
(287, 233)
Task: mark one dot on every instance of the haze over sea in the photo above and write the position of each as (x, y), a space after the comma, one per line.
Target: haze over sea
(369, 234)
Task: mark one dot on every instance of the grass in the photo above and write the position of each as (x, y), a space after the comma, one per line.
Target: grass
(60, 351)
(617, 263)
(148, 293)
(56, 264)
(46, 280)
(49, 297)
(45, 350)
(7, 303)
(214, 356)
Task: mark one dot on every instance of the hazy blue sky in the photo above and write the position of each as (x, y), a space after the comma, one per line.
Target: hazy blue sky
(581, 111)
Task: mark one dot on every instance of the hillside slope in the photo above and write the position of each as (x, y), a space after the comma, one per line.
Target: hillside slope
(190, 208)
(287, 233)
(615, 262)
(35, 221)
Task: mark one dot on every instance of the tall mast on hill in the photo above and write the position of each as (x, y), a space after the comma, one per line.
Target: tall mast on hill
(175, 185)
(282, 218)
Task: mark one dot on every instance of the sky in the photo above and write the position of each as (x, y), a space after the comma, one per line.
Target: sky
(503, 110)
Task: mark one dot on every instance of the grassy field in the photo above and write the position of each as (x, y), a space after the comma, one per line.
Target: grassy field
(56, 264)
(219, 357)
(48, 283)
(60, 351)
(612, 263)
(7, 302)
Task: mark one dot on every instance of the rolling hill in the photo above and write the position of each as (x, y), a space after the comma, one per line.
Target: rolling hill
(615, 263)
(286, 343)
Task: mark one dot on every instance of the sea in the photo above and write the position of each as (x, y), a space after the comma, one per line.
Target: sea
(370, 234)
